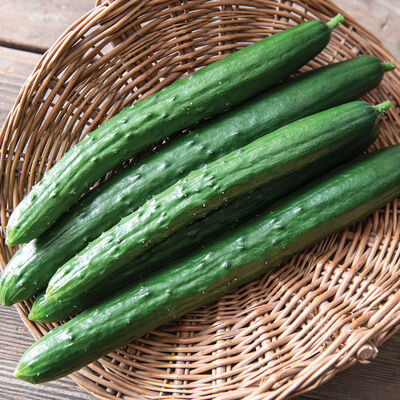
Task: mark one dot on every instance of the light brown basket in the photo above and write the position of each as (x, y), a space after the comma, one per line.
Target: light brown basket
(280, 336)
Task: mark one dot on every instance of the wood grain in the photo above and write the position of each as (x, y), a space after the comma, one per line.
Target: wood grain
(382, 17)
(378, 380)
(14, 339)
(15, 66)
(34, 25)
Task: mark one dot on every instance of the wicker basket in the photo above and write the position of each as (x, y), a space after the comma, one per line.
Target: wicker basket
(329, 308)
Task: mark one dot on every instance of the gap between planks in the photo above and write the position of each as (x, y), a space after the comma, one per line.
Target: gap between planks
(34, 25)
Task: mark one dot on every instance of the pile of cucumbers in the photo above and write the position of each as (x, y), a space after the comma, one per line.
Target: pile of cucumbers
(265, 168)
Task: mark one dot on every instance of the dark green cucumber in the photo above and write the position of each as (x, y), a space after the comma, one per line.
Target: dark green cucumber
(205, 93)
(30, 269)
(180, 244)
(343, 197)
(205, 189)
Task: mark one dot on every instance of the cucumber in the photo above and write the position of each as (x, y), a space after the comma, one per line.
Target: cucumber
(333, 202)
(205, 189)
(205, 93)
(29, 271)
(198, 234)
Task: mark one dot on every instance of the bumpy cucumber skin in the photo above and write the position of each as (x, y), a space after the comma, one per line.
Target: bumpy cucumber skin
(341, 198)
(197, 235)
(208, 188)
(205, 93)
(30, 269)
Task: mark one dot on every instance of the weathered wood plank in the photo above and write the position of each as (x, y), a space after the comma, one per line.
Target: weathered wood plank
(15, 66)
(14, 340)
(35, 25)
(382, 17)
(378, 380)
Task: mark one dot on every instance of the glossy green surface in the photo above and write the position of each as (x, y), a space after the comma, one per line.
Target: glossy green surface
(333, 202)
(208, 188)
(31, 268)
(205, 93)
(200, 233)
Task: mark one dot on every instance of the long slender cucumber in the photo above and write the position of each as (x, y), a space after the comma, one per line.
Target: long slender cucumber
(31, 268)
(205, 93)
(201, 232)
(343, 197)
(208, 188)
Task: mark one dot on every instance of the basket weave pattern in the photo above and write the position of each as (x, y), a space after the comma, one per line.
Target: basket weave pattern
(330, 307)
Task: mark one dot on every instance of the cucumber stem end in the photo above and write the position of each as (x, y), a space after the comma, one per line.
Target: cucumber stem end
(389, 66)
(383, 107)
(335, 22)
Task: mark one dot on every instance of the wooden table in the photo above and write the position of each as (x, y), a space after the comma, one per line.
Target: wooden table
(27, 29)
